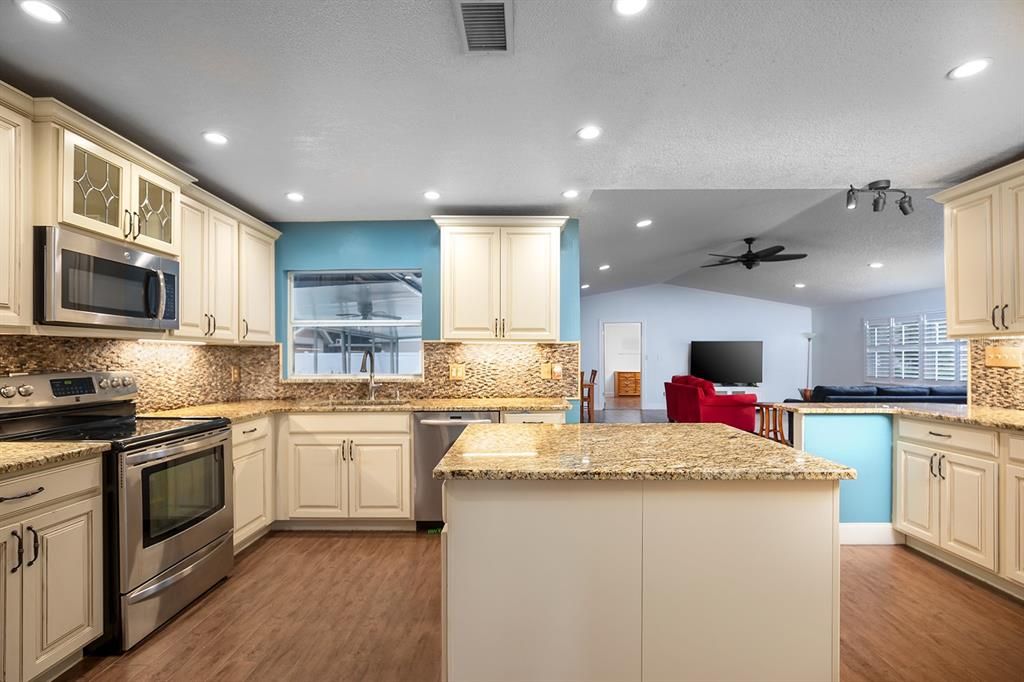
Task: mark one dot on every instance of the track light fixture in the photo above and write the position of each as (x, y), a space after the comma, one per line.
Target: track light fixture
(880, 188)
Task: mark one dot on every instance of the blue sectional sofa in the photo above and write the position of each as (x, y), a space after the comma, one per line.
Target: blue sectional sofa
(956, 395)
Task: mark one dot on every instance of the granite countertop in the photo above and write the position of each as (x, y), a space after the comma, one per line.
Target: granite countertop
(971, 415)
(251, 409)
(19, 457)
(628, 452)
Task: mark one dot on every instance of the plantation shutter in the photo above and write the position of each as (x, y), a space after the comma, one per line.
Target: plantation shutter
(878, 340)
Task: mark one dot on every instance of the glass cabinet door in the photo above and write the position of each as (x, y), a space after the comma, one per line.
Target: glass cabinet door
(155, 210)
(93, 186)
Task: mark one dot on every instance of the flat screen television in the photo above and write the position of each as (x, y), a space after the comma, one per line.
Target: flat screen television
(730, 363)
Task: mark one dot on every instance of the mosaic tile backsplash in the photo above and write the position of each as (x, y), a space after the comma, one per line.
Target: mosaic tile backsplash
(996, 386)
(172, 375)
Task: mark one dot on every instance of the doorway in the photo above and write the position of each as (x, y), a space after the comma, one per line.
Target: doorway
(622, 366)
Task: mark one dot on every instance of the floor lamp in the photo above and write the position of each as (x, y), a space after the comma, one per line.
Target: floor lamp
(805, 392)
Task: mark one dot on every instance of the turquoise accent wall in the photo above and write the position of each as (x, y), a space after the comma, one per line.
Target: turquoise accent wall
(864, 442)
(401, 244)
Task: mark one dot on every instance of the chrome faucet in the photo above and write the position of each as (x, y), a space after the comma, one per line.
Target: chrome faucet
(372, 386)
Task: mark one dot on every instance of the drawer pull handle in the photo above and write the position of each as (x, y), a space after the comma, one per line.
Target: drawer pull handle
(23, 495)
(252, 430)
(940, 435)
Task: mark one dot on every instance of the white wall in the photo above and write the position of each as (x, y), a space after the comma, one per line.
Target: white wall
(838, 351)
(621, 351)
(673, 316)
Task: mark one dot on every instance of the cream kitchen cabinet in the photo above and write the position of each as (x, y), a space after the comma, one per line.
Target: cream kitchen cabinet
(349, 466)
(984, 247)
(500, 277)
(1013, 522)
(102, 191)
(15, 218)
(969, 511)
(916, 504)
(255, 285)
(253, 459)
(52, 549)
(208, 282)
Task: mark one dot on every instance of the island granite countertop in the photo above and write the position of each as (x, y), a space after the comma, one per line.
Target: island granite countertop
(22, 457)
(251, 409)
(627, 452)
(971, 415)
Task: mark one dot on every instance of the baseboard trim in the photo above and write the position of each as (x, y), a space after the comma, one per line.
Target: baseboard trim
(869, 534)
(963, 566)
(342, 525)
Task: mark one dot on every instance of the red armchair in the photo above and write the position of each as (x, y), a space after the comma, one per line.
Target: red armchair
(690, 399)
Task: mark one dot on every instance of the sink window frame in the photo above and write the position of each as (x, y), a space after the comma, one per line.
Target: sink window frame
(387, 328)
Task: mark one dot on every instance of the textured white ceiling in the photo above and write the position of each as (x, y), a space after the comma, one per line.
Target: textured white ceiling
(364, 105)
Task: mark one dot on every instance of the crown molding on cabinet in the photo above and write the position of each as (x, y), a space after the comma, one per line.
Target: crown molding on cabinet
(215, 202)
(16, 99)
(996, 177)
(499, 221)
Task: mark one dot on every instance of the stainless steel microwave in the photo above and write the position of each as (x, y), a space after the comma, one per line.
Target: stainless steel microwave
(85, 280)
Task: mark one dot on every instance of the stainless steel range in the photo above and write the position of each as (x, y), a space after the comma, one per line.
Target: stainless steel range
(167, 491)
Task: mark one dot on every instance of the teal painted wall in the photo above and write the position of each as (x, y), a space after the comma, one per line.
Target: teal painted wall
(864, 442)
(401, 244)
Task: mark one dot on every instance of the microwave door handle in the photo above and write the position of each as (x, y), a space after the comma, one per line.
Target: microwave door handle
(146, 296)
(161, 307)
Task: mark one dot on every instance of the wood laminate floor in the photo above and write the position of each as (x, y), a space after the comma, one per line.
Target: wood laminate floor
(361, 606)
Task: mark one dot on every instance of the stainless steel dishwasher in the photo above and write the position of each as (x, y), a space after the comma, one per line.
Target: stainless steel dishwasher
(434, 434)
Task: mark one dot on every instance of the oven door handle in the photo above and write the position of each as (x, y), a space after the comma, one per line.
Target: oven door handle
(167, 582)
(161, 453)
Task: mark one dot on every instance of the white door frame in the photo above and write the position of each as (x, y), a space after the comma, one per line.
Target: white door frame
(599, 395)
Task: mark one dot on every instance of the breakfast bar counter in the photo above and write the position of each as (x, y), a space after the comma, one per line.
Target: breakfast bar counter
(638, 551)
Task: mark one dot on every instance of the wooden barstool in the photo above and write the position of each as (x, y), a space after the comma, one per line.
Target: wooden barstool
(587, 397)
(771, 422)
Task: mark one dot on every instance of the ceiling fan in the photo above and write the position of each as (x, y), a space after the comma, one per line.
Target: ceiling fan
(751, 259)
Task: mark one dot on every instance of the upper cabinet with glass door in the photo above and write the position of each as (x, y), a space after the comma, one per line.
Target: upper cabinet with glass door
(103, 192)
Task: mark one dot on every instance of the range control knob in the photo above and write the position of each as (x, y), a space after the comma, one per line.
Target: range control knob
(8, 391)
(25, 390)
(127, 381)
(104, 384)
(115, 382)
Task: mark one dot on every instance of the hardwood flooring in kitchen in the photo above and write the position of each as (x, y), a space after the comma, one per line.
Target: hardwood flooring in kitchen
(360, 606)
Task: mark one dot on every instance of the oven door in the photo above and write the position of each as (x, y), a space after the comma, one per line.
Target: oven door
(91, 281)
(175, 499)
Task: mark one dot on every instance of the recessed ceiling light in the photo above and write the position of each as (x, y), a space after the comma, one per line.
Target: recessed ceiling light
(968, 69)
(294, 196)
(570, 193)
(876, 265)
(431, 195)
(646, 222)
(627, 8)
(584, 286)
(588, 132)
(43, 11)
(213, 137)
(799, 285)
(603, 267)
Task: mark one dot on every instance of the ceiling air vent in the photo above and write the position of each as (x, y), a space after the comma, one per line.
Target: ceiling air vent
(486, 27)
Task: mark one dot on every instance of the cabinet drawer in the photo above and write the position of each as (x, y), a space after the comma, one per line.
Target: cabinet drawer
(350, 422)
(68, 480)
(250, 430)
(1016, 447)
(948, 435)
(533, 417)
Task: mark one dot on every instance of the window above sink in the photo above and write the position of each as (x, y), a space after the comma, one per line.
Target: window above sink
(335, 316)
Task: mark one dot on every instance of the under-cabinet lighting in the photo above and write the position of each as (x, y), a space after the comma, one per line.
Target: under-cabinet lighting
(173, 342)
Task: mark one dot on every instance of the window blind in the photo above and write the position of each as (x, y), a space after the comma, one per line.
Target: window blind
(913, 348)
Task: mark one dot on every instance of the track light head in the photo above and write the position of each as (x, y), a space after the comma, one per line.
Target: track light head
(879, 202)
(906, 205)
(851, 198)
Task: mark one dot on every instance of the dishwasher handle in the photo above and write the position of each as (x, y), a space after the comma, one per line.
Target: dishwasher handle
(455, 422)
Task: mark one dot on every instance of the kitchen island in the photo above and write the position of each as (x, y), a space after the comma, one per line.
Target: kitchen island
(638, 552)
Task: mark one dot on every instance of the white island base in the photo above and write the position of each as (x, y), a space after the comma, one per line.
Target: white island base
(623, 580)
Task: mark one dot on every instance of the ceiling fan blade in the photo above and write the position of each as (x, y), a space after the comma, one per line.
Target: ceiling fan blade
(770, 251)
(725, 262)
(721, 255)
(785, 256)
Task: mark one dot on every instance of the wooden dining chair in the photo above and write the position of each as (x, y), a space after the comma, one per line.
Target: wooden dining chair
(587, 397)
